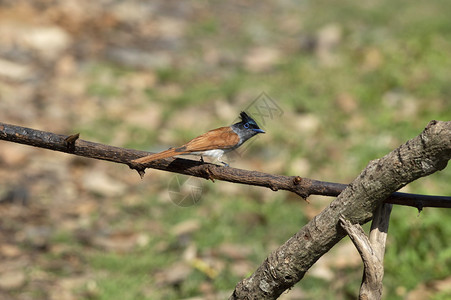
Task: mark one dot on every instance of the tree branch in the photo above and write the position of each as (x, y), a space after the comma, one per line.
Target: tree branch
(427, 153)
(372, 251)
(303, 187)
(371, 288)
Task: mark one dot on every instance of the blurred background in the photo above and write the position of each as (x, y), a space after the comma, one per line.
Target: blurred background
(350, 81)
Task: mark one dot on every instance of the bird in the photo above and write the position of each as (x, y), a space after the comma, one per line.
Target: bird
(214, 143)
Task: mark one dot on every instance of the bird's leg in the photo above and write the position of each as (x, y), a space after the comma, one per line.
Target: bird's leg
(222, 162)
(201, 159)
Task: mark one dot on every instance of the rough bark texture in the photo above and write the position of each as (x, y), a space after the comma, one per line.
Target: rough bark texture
(421, 156)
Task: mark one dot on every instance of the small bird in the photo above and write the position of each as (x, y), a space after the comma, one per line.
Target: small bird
(213, 143)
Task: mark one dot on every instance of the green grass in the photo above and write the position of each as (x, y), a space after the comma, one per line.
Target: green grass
(394, 101)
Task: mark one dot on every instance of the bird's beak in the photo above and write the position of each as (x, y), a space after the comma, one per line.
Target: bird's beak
(258, 130)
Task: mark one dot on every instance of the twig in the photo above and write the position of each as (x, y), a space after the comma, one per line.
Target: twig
(303, 187)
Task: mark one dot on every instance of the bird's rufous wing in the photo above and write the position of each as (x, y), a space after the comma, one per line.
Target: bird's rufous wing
(220, 138)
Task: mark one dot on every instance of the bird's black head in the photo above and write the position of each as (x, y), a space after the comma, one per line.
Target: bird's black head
(248, 123)
(247, 128)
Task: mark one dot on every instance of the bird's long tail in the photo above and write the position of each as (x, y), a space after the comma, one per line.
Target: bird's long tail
(160, 155)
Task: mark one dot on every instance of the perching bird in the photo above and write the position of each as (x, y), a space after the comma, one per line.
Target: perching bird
(213, 143)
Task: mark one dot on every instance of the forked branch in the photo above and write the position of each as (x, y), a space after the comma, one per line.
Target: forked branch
(372, 251)
(427, 153)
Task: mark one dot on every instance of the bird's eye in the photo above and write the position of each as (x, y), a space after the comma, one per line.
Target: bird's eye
(246, 125)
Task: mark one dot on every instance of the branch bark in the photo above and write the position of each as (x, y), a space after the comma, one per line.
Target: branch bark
(303, 187)
(425, 154)
(372, 251)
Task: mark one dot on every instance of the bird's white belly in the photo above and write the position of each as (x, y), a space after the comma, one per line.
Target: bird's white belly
(216, 153)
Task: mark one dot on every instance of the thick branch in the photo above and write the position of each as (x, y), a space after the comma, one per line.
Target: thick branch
(300, 186)
(421, 156)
